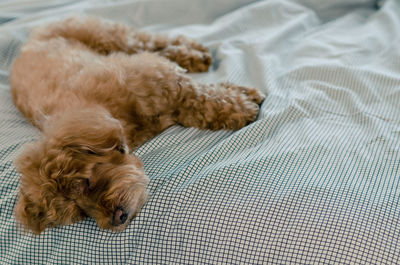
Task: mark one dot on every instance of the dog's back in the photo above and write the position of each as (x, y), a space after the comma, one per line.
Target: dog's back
(44, 75)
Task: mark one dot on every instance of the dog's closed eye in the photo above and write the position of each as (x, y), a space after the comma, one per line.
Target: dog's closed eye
(89, 152)
(83, 149)
(87, 183)
(121, 148)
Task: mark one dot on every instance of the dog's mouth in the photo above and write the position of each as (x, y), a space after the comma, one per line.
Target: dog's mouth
(117, 191)
(118, 218)
(122, 217)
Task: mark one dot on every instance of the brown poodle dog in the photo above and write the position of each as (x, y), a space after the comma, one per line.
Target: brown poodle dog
(97, 90)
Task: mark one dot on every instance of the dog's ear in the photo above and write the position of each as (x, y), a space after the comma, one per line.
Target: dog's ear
(41, 204)
(38, 214)
(30, 210)
(30, 214)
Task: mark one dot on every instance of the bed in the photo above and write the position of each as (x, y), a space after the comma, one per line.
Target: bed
(314, 180)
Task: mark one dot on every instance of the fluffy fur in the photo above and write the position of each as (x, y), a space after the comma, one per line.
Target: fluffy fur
(97, 90)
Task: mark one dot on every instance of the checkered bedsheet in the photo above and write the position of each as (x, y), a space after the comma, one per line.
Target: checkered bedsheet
(314, 180)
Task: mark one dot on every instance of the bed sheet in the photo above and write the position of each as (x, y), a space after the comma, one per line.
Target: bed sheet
(314, 180)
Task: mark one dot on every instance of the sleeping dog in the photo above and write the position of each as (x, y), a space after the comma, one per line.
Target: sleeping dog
(97, 90)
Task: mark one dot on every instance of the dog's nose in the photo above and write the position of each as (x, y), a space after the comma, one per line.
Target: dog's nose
(120, 216)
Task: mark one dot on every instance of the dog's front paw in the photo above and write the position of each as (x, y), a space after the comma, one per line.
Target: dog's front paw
(247, 105)
(251, 94)
(237, 107)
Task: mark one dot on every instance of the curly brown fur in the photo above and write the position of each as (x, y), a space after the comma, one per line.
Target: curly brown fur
(97, 90)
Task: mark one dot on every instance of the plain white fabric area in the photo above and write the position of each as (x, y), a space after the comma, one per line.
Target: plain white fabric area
(314, 180)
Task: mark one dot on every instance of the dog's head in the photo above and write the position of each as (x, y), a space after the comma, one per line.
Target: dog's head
(81, 167)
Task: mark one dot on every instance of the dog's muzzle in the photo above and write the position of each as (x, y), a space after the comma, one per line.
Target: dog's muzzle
(120, 216)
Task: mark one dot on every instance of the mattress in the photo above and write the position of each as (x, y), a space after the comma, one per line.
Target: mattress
(314, 180)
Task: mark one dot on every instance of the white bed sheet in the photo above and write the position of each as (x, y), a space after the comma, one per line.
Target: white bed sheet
(314, 180)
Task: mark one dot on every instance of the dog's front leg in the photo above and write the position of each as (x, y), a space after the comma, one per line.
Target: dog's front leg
(221, 106)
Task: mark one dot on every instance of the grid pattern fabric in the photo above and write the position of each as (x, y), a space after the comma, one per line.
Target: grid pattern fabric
(315, 180)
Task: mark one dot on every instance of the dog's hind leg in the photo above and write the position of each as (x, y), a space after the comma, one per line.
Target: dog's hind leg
(106, 37)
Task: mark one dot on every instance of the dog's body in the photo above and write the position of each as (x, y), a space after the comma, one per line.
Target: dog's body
(96, 89)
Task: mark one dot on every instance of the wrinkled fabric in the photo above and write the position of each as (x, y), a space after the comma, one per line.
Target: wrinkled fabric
(314, 180)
